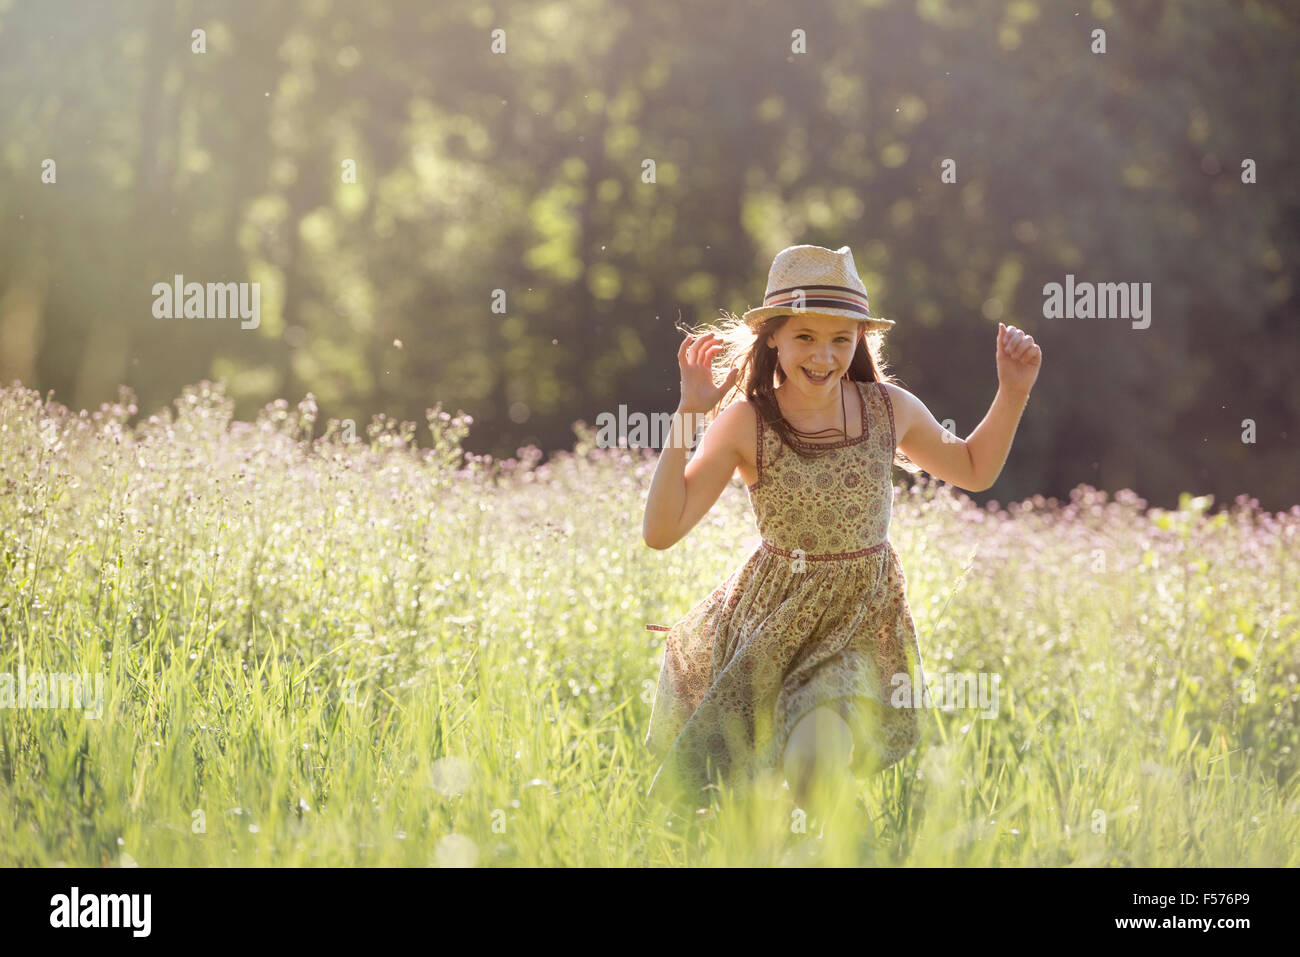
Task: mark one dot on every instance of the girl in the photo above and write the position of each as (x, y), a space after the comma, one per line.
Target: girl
(790, 664)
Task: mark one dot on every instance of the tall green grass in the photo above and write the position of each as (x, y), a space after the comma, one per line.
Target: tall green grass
(372, 653)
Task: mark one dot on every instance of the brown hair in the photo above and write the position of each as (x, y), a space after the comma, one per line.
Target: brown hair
(760, 373)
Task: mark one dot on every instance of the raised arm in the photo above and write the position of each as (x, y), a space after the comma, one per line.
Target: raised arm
(681, 494)
(975, 462)
(679, 497)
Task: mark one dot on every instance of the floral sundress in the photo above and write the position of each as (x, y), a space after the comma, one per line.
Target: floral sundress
(816, 615)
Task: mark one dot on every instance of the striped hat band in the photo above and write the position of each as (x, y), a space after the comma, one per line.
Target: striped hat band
(815, 281)
(813, 297)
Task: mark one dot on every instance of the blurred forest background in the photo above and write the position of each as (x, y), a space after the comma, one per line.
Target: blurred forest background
(523, 170)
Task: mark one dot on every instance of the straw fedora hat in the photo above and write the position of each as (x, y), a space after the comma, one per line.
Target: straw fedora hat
(815, 281)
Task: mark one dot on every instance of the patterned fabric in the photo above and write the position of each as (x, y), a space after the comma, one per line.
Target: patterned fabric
(816, 615)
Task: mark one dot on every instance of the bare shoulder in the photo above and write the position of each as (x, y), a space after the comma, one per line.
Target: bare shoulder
(898, 396)
(904, 406)
(737, 427)
(896, 392)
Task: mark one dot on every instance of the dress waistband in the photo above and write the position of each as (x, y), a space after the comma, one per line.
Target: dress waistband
(824, 556)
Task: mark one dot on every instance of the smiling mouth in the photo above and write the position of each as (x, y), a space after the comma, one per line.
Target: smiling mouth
(816, 380)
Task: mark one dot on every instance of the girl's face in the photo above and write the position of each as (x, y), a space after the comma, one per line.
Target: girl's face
(814, 351)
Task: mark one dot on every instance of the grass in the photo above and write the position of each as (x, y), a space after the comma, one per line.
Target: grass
(316, 652)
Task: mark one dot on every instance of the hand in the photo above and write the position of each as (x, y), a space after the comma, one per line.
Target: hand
(695, 359)
(1019, 359)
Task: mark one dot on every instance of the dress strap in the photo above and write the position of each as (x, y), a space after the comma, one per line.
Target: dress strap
(758, 450)
(889, 408)
(862, 396)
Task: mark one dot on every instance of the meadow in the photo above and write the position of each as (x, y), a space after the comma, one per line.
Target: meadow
(386, 652)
